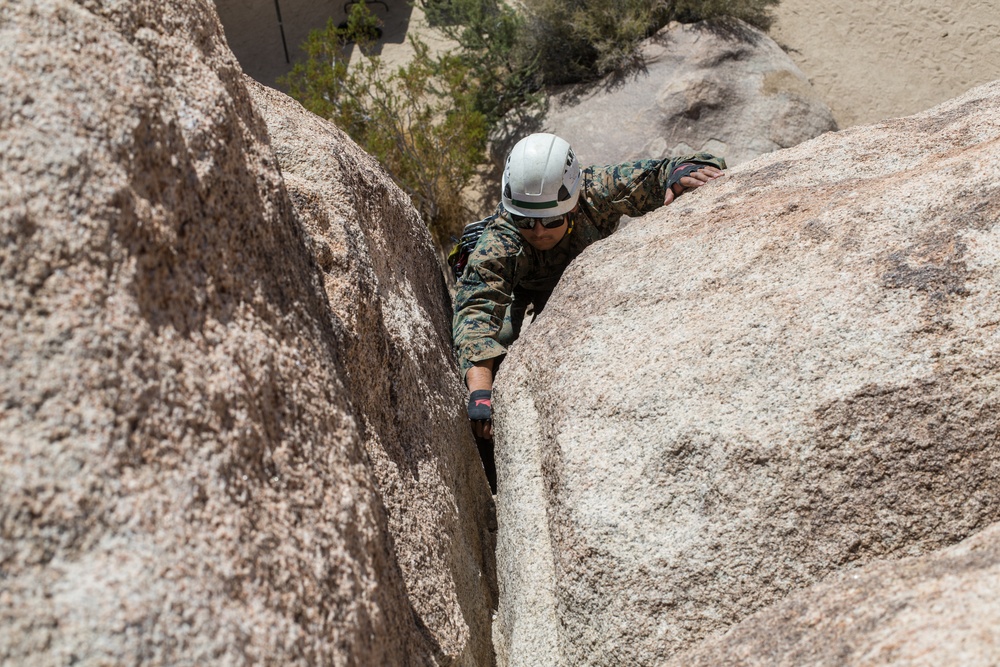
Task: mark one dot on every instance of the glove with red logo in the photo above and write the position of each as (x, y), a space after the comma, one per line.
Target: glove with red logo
(480, 408)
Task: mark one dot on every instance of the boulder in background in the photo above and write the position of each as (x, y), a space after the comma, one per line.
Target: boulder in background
(725, 88)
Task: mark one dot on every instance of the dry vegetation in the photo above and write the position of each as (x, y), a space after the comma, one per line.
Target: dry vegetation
(429, 122)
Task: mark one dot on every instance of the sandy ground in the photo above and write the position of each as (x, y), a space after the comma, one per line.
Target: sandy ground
(877, 59)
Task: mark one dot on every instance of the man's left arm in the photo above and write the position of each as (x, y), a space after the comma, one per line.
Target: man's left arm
(635, 188)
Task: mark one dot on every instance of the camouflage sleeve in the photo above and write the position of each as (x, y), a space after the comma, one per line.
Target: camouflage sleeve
(634, 188)
(481, 300)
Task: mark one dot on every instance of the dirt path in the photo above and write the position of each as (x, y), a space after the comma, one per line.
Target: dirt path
(871, 59)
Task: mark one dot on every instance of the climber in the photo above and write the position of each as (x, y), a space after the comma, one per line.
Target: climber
(550, 211)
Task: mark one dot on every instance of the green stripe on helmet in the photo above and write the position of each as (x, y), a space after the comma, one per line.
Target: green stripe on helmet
(535, 205)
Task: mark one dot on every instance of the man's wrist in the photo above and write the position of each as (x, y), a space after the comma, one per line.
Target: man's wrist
(481, 405)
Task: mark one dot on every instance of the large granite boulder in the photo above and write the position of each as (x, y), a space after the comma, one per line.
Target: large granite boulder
(386, 288)
(939, 609)
(187, 474)
(785, 373)
(725, 88)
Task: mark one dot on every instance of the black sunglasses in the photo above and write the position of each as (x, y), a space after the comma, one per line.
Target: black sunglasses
(524, 222)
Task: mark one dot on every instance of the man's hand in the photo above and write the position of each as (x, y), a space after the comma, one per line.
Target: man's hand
(688, 176)
(481, 413)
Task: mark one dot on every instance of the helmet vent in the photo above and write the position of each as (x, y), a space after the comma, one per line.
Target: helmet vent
(563, 193)
(506, 191)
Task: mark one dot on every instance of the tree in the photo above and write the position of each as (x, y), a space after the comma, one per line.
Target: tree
(420, 121)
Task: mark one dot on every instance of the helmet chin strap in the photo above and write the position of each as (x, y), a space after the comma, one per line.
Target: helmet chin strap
(572, 219)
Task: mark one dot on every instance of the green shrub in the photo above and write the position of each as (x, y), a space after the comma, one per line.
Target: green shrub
(428, 122)
(488, 33)
(755, 12)
(420, 121)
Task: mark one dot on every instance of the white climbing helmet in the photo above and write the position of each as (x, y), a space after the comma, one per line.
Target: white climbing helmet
(541, 178)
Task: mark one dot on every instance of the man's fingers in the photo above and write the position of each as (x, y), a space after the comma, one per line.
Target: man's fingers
(483, 429)
(695, 179)
(701, 177)
(706, 174)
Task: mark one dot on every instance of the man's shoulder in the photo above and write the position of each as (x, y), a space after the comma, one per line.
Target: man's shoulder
(499, 239)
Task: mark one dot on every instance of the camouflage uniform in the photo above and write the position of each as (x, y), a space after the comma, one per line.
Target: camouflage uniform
(505, 273)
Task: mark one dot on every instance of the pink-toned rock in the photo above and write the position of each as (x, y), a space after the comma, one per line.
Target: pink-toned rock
(783, 374)
(386, 288)
(187, 474)
(939, 609)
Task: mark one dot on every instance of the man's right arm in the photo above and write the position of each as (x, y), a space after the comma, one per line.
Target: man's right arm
(479, 380)
(481, 301)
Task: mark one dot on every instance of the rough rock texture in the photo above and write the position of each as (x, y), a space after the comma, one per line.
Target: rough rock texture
(787, 372)
(182, 462)
(871, 60)
(941, 609)
(386, 287)
(723, 88)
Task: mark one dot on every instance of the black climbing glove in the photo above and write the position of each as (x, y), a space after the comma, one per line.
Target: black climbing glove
(680, 171)
(480, 408)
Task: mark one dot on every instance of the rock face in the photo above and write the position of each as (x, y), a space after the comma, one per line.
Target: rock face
(941, 609)
(725, 89)
(187, 474)
(783, 374)
(385, 286)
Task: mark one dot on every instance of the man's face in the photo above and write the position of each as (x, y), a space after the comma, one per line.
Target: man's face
(541, 238)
